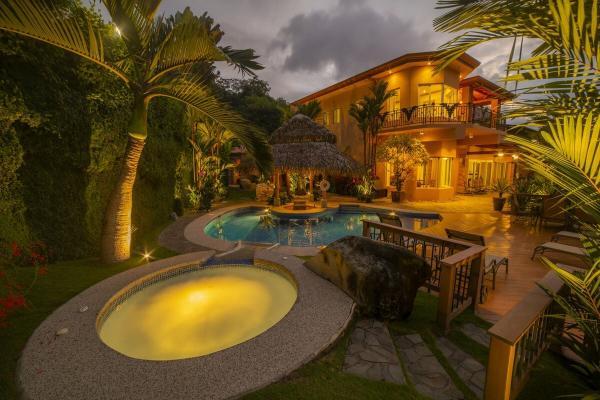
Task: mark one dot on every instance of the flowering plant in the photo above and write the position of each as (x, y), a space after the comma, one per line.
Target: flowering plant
(12, 257)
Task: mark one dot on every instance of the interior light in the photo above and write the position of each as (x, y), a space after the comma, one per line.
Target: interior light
(515, 156)
(470, 136)
(421, 133)
(428, 62)
(500, 154)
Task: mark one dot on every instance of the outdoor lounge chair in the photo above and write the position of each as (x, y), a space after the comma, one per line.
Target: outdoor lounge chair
(492, 262)
(566, 235)
(559, 248)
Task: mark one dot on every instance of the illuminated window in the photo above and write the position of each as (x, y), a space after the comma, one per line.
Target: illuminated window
(325, 118)
(393, 103)
(437, 172)
(437, 93)
(337, 116)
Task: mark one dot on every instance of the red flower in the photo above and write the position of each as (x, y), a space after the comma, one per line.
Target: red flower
(43, 270)
(15, 249)
(13, 301)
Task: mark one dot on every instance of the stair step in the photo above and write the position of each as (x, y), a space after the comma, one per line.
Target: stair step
(425, 371)
(371, 353)
(476, 333)
(470, 371)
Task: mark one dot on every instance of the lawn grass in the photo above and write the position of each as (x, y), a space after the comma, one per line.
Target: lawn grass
(63, 281)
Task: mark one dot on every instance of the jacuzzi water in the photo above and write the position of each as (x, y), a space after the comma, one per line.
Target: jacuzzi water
(258, 226)
(199, 312)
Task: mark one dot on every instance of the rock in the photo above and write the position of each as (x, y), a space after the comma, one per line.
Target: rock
(381, 278)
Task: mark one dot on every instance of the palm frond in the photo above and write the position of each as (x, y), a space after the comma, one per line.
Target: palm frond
(135, 20)
(56, 26)
(192, 90)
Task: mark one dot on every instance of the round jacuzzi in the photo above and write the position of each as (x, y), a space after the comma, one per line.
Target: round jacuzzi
(190, 311)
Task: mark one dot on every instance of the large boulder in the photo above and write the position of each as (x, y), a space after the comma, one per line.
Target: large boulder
(381, 278)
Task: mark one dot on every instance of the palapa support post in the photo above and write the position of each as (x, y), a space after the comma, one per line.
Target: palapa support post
(276, 199)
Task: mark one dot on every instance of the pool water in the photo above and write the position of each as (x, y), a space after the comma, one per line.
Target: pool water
(199, 312)
(259, 226)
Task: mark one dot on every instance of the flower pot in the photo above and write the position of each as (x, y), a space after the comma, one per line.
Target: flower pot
(499, 203)
(397, 196)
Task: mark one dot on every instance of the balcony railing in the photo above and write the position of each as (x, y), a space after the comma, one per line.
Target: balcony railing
(443, 113)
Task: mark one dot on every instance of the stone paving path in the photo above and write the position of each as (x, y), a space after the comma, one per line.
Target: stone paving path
(371, 353)
(476, 333)
(470, 371)
(424, 369)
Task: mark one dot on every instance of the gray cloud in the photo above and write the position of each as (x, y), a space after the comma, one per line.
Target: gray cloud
(346, 39)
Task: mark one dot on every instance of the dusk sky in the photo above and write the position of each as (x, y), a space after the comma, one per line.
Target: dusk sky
(306, 45)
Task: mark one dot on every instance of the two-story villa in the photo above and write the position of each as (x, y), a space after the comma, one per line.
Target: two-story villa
(454, 115)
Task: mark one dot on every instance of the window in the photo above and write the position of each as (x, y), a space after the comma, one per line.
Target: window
(337, 116)
(393, 103)
(437, 172)
(437, 93)
(325, 118)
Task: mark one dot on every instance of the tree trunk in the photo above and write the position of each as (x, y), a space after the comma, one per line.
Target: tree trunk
(116, 233)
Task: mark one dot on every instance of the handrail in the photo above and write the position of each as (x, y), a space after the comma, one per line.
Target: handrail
(456, 266)
(444, 113)
(519, 339)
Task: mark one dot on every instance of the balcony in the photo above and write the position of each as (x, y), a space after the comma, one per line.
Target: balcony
(454, 113)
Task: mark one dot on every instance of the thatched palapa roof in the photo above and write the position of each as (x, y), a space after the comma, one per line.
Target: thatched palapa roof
(303, 145)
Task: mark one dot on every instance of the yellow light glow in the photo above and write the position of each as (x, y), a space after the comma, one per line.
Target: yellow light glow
(392, 213)
(500, 154)
(198, 313)
(118, 30)
(515, 156)
(421, 133)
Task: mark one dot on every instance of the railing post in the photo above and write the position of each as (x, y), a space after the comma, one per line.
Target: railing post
(499, 375)
(476, 280)
(365, 231)
(444, 311)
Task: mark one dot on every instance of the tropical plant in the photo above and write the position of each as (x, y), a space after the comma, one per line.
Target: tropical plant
(501, 186)
(561, 72)
(404, 153)
(370, 116)
(366, 186)
(312, 109)
(165, 57)
(562, 75)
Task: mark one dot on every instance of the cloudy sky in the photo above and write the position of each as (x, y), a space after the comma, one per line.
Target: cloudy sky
(308, 44)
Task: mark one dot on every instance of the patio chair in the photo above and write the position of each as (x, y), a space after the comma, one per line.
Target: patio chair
(553, 210)
(492, 262)
(566, 235)
(559, 248)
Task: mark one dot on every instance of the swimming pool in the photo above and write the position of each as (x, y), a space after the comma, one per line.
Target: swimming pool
(260, 226)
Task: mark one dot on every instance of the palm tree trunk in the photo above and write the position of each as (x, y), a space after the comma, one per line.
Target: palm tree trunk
(116, 233)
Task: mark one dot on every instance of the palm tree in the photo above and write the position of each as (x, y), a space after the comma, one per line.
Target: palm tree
(370, 116)
(165, 57)
(312, 109)
(562, 73)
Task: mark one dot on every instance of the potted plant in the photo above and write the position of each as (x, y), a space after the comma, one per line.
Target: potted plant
(366, 187)
(501, 186)
(403, 152)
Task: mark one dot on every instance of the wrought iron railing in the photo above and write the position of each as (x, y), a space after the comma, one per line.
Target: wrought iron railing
(519, 339)
(456, 266)
(444, 113)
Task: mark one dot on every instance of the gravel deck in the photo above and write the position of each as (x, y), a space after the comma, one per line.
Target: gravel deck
(77, 365)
